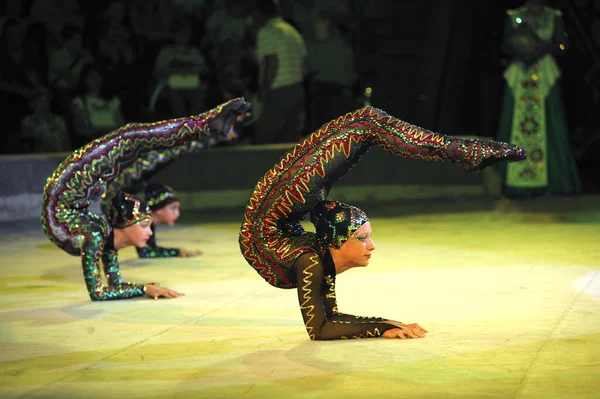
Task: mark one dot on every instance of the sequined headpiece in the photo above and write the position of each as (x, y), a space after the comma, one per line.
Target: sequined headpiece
(126, 210)
(335, 221)
(159, 195)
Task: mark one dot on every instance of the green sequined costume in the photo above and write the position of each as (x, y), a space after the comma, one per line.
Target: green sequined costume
(101, 168)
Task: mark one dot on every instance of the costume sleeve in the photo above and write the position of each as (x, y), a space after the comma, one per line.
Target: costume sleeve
(316, 295)
(91, 252)
(151, 250)
(331, 308)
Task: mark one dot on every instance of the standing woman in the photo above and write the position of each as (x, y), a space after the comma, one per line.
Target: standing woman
(533, 114)
(274, 243)
(101, 168)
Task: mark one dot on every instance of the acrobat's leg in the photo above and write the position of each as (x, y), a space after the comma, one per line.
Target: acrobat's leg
(305, 174)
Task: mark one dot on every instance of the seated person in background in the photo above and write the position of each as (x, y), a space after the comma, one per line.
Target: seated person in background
(42, 130)
(94, 111)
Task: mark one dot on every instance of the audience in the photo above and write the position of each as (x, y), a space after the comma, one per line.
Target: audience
(42, 130)
(95, 109)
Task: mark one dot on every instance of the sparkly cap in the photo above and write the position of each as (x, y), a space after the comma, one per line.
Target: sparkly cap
(126, 210)
(335, 221)
(159, 195)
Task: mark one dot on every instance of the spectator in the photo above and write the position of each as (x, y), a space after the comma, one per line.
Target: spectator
(42, 130)
(281, 54)
(65, 63)
(56, 14)
(231, 78)
(115, 45)
(151, 20)
(231, 21)
(331, 61)
(179, 70)
(21, 72)
(13, 10)
(117, 52)
(95, 109)
(326, 27)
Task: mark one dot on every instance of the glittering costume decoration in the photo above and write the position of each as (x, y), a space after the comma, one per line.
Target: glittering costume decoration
(318, 304)
(271, 237)
(335, 222)
(152, 250)
(103, 166)
(126, 210)
(158, 196)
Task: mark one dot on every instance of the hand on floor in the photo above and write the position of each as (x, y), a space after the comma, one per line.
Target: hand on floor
(188, 254)
(404, 331)
(154, 291)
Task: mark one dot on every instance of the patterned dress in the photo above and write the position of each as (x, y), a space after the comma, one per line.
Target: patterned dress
(532, 113)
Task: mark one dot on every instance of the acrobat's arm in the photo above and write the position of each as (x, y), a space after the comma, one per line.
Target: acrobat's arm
(91, 252)
(321, 321)
(151, 250)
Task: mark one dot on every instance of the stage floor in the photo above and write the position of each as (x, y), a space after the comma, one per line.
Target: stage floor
(510, 294)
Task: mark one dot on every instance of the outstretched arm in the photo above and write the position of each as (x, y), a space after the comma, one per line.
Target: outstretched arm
(399, 329)
(152, 250)
(91, 252)
(331, 307)
(322, 321)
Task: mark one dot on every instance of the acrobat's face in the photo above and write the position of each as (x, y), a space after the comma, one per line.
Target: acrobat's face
(167, 215)
(357, 249)
(138, 234)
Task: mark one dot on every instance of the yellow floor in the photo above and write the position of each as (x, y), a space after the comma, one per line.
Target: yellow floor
(509, 292)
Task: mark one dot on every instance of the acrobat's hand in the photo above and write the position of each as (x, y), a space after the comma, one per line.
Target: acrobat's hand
(188, 254)
(412, 330)
(155, 291)
(229, 114)
(398, 333)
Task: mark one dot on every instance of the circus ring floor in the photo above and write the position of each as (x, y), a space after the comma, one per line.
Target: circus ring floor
(510, 294)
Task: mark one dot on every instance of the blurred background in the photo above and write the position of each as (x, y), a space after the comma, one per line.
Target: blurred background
(73, 70)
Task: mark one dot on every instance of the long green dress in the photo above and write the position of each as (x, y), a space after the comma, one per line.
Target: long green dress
(532, 115)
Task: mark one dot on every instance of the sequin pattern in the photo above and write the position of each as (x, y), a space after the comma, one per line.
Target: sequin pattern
(307, 293)
(270, 235)
(92, 251)
(162, 197)
(152, 250)
(104, 165)
(336, 221)
(318, 304)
